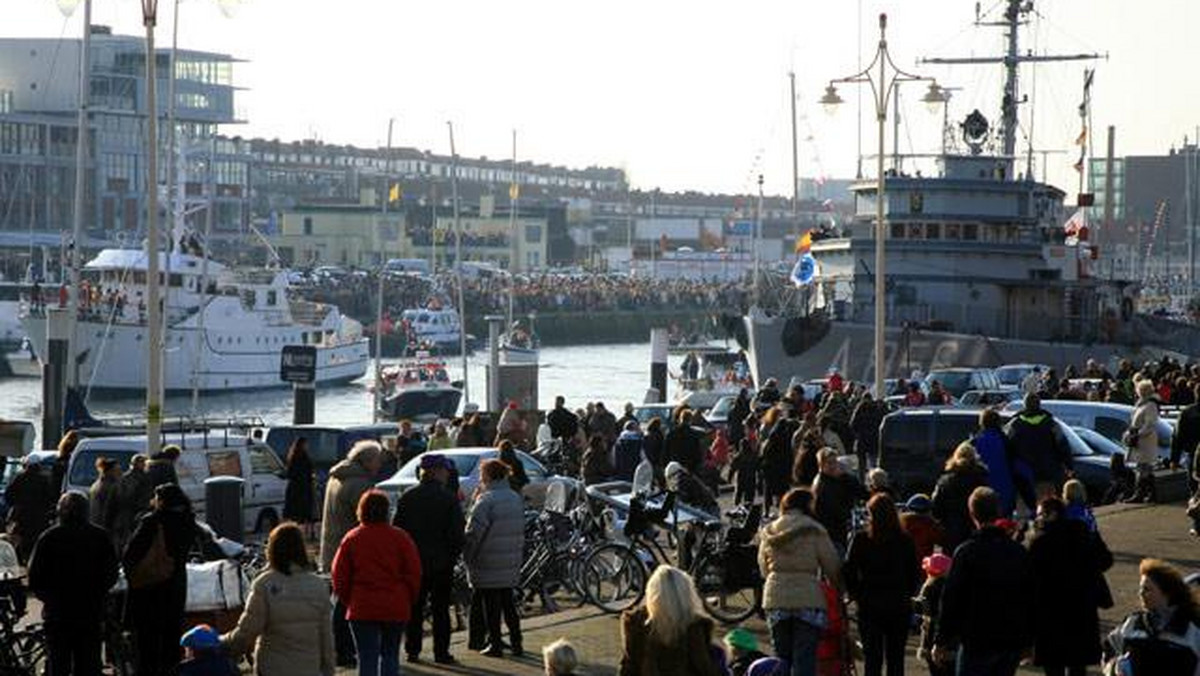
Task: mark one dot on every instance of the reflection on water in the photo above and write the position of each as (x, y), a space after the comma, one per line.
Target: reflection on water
(613, 374)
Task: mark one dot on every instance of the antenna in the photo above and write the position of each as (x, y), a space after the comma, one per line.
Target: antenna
(1014, 18)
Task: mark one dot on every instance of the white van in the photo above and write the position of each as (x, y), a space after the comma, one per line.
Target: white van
(204, 456)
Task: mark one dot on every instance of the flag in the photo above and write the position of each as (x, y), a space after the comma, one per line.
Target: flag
(1075, 223)
(804, 271)
(394, 193)
(514, 191)
(804, 242)
(1079, 140)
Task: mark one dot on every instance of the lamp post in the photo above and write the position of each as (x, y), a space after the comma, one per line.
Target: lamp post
(154, 315)
(883, 84)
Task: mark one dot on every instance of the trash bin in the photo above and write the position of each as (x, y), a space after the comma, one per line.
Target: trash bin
(223, 506)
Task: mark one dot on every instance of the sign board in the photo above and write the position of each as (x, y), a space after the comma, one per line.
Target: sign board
(298, 364)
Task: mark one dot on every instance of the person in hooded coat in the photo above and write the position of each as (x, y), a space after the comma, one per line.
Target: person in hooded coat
(1068, 567)
(964, 473)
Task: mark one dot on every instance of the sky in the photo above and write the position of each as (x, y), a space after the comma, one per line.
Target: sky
(682, 95)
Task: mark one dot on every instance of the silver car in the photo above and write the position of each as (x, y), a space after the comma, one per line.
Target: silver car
(467, 462)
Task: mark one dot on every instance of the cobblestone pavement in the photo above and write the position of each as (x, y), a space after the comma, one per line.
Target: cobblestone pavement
(1132, 532)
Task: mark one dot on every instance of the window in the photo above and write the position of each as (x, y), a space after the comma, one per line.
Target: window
(225, 463)
(272, 298)
(970, 232)
(308, 227)
(533, 234)
(897, 231)
(933, 231)
(916, 231)
(1111, 428)
(263, 461)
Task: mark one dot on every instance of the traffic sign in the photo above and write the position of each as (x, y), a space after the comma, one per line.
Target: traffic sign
(298, 364)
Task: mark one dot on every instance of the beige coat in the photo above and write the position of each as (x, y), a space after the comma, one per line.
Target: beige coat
(794, 552)
(288, 622)
(347, 482)
(1145, 421)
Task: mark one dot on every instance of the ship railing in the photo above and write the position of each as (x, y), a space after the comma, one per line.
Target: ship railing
(183, 431)
(308, 313)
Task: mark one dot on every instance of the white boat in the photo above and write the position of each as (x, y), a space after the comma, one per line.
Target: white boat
(432, 329)
(419, 389)
(518, 345)
(227, 336)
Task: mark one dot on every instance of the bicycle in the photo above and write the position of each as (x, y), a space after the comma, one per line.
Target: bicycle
(22, 651)
(558, 543)
(723, 565)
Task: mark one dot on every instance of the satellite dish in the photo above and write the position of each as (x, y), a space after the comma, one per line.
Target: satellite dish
(67, 7)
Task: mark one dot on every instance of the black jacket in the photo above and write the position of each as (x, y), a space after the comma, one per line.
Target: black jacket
(432, 515)
(71, 570)
(777, 455)
(833, 503)
(1037, 442)
(152, 603)
(563, 424)
(652, 446)
(1068, 564)
(950, 503)
(683, 447)
(1187, 433)
(988, 600)
(882, 574)
(161, 471)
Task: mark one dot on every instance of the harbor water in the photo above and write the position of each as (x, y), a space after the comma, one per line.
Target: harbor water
(613, 374)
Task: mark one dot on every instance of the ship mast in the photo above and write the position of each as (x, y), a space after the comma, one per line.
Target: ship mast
(1014, 17)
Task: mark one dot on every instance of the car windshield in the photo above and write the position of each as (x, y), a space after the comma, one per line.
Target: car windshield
(464, 464)
(1012, 375)
(954, 382)
(83, 464)
(721, 409)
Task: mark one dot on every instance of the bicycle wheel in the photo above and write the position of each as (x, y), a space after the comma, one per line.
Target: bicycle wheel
(614, 578)
(562, 583)
(725, 605)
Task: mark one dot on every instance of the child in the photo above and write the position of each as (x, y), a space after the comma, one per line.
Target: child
(936, 566)
(743, 471)
(203, 654)
(1075, 495)
(559, 658)
(741, 649)
(1121, 480)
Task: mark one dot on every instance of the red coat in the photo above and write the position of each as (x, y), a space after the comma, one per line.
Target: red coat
(377, 573)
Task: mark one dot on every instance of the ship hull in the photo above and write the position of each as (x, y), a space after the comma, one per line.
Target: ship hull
(849, 348)
(112, 358)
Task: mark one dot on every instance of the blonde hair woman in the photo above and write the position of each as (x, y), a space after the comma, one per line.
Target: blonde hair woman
(669, 633)
(964, 473)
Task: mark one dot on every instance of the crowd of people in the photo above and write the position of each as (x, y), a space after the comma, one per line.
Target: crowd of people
(543, 293)
(1004, 560)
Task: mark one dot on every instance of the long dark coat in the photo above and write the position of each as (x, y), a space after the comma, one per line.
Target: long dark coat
(1068, 561)
(298, 496)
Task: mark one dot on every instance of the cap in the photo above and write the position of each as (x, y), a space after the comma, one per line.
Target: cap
(201, 637)
(741, 639)
(768, 666)
(432, 461)
(919, 503)
(631, 425)
(936, 564)
(470, 407)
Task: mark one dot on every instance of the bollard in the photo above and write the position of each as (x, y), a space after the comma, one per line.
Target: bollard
(658, 363)
(493, 381)
(54, 376)
(304, 403)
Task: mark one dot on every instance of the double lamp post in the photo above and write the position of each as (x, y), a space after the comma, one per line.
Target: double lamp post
(884, 77)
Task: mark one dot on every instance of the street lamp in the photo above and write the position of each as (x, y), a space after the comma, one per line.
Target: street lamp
(154, 341)
(882, 86)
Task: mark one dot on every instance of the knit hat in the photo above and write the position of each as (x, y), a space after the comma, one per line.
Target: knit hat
(741, 639)
(201, 637)
(936, 564)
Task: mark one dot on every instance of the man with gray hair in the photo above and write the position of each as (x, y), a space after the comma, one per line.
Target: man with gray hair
(71, 570)
(348, 480)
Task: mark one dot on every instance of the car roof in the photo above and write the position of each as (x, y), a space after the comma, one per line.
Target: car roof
(1107, 406)
(959, 369)
(186, 442)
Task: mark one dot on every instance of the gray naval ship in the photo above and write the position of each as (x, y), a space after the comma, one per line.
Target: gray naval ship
(979, 272)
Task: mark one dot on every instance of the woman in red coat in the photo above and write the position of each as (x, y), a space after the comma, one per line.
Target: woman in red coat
(377, 574)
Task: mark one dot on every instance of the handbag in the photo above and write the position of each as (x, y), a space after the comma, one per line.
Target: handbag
(156, 566)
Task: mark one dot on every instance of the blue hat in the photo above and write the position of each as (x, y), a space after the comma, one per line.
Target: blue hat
(768, 666)
(433, 461)
(919, 503)
(201, 637)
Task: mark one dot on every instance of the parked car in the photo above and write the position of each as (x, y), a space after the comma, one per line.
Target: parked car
(957, 381)
(43, 460)
(1013, 375)
(1110, 420)
(466, 463)
(327, 444)
(718, 415)
(204, 456)
(915, 443)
